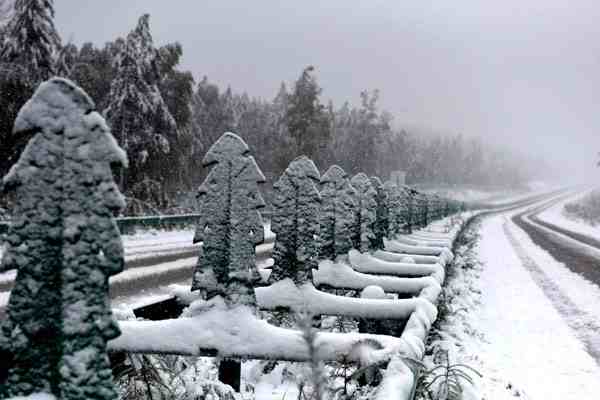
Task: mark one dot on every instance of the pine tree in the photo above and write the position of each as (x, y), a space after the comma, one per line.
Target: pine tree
(6, 12)
(338, 205)
(306, 117)
(363, 233)
(295, 221)
(32, 41)
(64, 244)
(28, 49)
(138, 115)
(381, 214)
(231, 225)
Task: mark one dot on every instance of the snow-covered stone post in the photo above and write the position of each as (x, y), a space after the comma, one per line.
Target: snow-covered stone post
(337, 215)
(394, 205)
(433, 207)
(381, 214)
(230, 228)
(424, 209)
(64, 244)
(363, 233)
(407, 209)
(295, 222)
(230, 225)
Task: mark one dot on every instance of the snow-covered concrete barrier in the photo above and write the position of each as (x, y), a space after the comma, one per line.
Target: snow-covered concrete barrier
(335, 237)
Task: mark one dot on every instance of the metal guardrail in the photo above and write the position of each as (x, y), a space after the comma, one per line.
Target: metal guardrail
(128, 225)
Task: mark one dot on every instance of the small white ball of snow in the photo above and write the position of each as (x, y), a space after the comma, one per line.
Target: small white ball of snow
(407, 260)
(372, 292)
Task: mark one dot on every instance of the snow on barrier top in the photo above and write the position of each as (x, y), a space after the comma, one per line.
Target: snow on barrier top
(237, 332)
(342, 276)
(366, 263)
(64, 244)
(307, 298)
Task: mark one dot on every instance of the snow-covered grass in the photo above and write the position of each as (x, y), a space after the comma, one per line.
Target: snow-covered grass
(557, 215)
(586, 208)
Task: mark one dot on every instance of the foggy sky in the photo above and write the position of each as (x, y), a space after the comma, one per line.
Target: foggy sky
(526, 73)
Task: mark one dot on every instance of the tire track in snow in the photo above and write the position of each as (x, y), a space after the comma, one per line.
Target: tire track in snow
(584, 325)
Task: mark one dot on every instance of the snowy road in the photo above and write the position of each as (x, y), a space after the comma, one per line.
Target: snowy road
(534, 333)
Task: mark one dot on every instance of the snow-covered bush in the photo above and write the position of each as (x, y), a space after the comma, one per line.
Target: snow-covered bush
(337, 215)
(363, 232)
(64, 244)
(295, 221)
(230, 226)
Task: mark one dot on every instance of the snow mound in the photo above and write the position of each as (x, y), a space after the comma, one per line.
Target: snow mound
(373, 292)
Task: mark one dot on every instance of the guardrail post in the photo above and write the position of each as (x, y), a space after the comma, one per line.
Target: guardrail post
(230, 226)
(64, 244)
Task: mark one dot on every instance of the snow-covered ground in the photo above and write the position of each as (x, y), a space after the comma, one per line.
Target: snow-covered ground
(527, 323)
(555, 215)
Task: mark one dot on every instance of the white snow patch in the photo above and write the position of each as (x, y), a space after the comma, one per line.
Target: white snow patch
(526, 342)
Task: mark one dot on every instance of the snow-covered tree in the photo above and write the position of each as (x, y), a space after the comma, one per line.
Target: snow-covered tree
(64, 244)
(231, 225)
(363, 232)
(7, 8)
(137, 113)
(29, 44)
(381, 214)
(307, 119)
(31, 40)
(338, 205)
(295, 221)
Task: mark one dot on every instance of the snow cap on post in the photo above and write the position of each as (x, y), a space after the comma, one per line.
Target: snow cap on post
(230, 225)
(64, 244)
(363, 235)
(295, 221)
(381, 214)
(337, 215)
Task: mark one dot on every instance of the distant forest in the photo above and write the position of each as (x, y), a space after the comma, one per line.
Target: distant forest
(166, 121)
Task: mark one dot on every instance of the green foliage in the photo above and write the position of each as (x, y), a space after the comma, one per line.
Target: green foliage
(137, 112)
(306, 117)
(446, 381)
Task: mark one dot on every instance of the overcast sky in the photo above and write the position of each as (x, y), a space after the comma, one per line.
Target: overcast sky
(522, 71)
